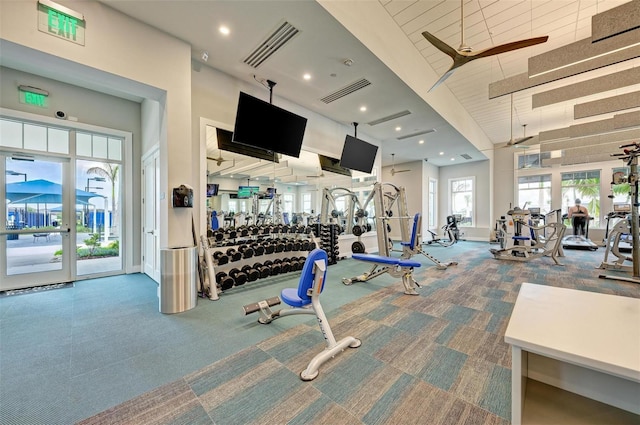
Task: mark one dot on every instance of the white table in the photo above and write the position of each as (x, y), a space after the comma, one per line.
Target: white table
(582, 342)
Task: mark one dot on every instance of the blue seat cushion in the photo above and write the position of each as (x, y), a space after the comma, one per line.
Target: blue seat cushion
(520, 238)
(290, 297)
(386, 260)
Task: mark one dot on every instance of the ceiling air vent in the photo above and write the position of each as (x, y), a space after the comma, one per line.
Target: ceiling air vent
(272, 43)
(389, 118)
(346, 90)
(419, 133)
(465, 156)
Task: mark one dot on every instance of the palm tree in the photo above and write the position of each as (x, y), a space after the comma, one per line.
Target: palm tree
(109, 172)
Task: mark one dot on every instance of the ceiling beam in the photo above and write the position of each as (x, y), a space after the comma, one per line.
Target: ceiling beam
(617, 137)
(582, 51)
(522, 81)
(607, 105)
(615, 21)
(613, 81)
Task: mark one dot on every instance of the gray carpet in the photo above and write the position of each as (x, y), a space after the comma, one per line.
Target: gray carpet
(436, 358)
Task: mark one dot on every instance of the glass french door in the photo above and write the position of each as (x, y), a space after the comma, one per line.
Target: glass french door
(37, 226)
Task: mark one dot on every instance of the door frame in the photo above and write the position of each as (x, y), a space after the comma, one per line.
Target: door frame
(127, 235)
(67, 233)
(150, 199)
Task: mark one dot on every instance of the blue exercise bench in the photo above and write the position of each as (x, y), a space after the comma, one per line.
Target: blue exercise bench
(413, 247)
(305, 299)
(396, 267)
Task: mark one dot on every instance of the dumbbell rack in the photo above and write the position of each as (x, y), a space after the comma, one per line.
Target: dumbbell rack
(329, 240)
(247, 254)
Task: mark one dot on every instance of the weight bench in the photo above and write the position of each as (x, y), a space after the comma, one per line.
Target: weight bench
(413, 247)
(396, 267)
(305, 299)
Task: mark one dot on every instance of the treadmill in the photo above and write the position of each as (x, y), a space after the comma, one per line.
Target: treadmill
(579, 241)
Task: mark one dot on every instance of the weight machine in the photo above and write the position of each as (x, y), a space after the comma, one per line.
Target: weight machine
(630, 154)
(518, 240)
(388, 198)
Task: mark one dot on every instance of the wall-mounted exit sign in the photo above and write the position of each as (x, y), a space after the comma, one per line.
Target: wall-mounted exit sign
(60, 21)
(33, 96)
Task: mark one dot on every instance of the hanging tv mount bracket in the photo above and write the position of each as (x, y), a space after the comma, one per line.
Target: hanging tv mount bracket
(355, 130)
(271, 85)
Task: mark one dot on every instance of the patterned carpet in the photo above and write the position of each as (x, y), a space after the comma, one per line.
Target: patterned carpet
(436, 358)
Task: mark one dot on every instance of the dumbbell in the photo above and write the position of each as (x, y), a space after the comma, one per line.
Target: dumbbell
(264, 271)
(276, 267)
(219, 235)
(232, 234)
(234, 255)
(266, 230)
(246, 251)
(225, 282)
(285, 266)
(220, 258)
(258, 249)
(239, 277)
(252, 274)
(254, 230)
(269, 247)
(279, 246)
(288, 246)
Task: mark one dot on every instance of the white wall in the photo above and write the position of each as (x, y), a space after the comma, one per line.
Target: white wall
(481, 170)
(155, 66)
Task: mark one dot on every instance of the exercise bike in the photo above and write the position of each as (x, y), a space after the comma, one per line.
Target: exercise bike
(451, 233)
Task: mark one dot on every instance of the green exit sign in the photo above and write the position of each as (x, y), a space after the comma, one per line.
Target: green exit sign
(60, 21)
(33, 96)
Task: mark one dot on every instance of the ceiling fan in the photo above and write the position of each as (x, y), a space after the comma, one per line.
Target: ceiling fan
(524, 138)
(464, 53)
(393, 166)
(219, 160)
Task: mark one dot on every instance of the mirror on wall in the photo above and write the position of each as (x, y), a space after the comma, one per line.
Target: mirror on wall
(252, 190)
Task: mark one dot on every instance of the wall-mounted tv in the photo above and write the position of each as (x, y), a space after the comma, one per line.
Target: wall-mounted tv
(247, 191)
(225, 142)
(268, 127)
(212, 189)
(358, 154)
(332, 165)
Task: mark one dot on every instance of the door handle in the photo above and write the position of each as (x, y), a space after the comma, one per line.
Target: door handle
(150, 232)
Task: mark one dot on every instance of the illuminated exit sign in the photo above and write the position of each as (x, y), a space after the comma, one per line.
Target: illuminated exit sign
(60, 21)
(33, 96)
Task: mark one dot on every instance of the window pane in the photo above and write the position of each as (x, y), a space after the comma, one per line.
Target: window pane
(462, 200)
(99, 146)
(535, 191)
(115, 149)
(58, 140)
(35, 137)
(583, 185)
(10, 134)
(83, 144)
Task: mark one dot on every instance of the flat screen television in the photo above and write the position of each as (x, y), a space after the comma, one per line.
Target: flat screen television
(358, 154)
(225, 142)
(332, 165)
(268, 127)
(212, 189)
(247, 191)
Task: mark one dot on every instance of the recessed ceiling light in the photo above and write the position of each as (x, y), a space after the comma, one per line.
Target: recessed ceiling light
(421, 141)
(441, 153)
(398, 128)
(224, 30)
(363, 108)
(307, 76)
(453, 159)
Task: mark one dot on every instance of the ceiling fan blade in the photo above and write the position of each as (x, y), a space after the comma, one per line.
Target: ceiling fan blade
(507, 47)
(445, 76)
(440, 45)
(520, 140)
